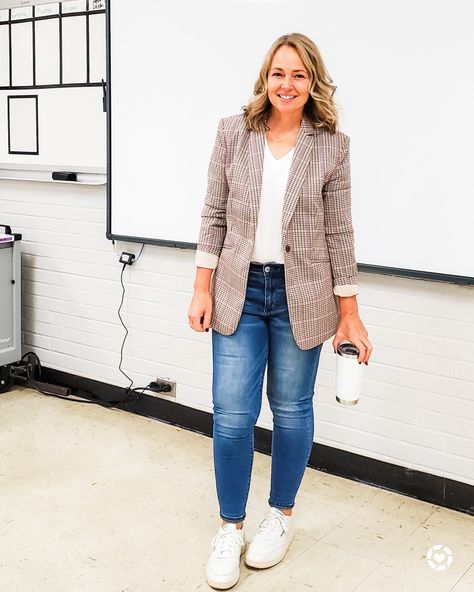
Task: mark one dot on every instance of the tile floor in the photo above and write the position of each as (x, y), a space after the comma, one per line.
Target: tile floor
(99, 500)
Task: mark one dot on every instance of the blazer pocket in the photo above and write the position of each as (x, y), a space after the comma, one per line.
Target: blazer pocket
(319, 255)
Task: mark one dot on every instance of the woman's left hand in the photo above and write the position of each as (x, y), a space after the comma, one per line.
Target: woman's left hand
(351, 328)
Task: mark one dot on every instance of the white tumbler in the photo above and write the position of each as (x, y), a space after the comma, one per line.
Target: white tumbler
(348, 374)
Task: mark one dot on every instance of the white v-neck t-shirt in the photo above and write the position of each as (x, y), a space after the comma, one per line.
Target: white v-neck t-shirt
(267, 246)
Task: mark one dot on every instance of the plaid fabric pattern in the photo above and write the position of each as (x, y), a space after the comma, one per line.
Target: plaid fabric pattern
(317, 233)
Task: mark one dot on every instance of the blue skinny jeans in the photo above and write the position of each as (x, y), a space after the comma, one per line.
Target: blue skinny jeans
(263, 336)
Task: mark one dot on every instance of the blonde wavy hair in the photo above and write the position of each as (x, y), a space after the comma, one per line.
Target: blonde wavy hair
(319, 108)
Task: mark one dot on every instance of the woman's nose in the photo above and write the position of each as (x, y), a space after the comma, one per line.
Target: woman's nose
(286, 83)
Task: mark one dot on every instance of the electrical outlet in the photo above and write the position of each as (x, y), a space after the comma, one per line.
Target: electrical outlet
(163, 386)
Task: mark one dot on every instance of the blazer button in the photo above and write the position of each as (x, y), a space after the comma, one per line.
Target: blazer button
(287, 248)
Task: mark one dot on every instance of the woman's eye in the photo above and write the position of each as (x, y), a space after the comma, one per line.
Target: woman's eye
(296, 75)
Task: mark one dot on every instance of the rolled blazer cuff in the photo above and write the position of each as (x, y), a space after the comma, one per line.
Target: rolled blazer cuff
(348, 290)
(204, 259)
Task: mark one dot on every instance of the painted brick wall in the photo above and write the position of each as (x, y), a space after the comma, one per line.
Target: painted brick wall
(417, 408)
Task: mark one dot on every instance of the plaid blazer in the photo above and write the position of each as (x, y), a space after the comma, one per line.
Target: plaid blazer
(317, 233)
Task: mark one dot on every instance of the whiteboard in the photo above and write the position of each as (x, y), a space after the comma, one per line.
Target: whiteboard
(52, 56)
(405, 93)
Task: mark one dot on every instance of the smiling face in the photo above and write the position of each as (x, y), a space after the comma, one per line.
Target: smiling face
(288, 81)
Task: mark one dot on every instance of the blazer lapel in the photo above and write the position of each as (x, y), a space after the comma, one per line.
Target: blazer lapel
(298, 168)
(256, 154)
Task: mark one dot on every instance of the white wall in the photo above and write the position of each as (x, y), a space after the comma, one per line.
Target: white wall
(417, 408)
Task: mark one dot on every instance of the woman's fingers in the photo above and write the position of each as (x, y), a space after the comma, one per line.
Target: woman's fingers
(191, 323)
(367, 350)
(206, 323)
(194, 320)
(361, 347)
(200, 321)
(337, 341)
(362, 343)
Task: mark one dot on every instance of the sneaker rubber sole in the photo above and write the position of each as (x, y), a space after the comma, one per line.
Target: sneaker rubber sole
(225, 585)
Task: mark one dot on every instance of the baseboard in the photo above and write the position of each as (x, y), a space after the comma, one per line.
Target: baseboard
(417, 484)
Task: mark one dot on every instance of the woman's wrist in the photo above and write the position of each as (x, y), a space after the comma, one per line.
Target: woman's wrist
(348, 306)
(202, 281)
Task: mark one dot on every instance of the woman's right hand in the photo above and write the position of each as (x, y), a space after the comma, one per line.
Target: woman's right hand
(199, 313)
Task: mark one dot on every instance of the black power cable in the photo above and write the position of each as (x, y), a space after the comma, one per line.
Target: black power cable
(33, 384)
(129, 389)
(131, 394)
(126, 331)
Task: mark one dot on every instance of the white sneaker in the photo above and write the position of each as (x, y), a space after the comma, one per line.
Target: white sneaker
(271, 541)
(223, 566)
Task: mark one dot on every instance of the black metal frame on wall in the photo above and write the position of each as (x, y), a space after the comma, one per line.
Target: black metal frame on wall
(60, 17)
(22, 97)
(368, 268)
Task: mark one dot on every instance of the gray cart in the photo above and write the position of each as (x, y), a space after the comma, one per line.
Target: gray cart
(10, 304)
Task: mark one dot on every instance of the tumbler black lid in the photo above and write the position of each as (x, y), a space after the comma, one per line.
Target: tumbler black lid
(347, 349)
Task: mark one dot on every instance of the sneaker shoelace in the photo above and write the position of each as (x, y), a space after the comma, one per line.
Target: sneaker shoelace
(271, 525)
(225, 543)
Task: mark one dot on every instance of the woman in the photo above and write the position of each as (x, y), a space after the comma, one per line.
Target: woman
(277, 229)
